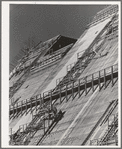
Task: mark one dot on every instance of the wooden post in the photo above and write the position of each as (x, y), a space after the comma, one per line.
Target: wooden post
(66, 92)
(80, 64)
(32, 114)
(26, 106)
(74, 68)
(11, 135)
(43, 100)
(13, 110)
(104, 78)
(72, 90)
(31, 104)
(112, 75)
(114, 125)
(70, 71)
(85, 85)
(21, 106)
(23, 127)
(11, 101)
(44, 123)
(9, 111)
(60, 95)
(40, 101)
(93, 82)
(79, 87)
(16, 107)
(48, 118)
(26, 127)
(108, 122)
(36, 104)
(99, 81)
(51, 99)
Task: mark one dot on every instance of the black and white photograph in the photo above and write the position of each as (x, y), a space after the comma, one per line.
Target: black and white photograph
(61, 74)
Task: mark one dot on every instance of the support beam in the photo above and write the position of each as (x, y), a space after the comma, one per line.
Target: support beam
(72, 90)
(26, 127)
(11, 134)
(21, 106)
(93, 82)
(112, 82)
(40, 99)
(99, 81)
(13, 110)
(26, 106)
(16, 107)
(31, 104)
(104, 78)
(48, 118)
(79, 87)
(85, 86)
(36, 104)
(50, 99)
(23, 128)
(66, 93)
(60, 95)
(44, 123)
(43, 101)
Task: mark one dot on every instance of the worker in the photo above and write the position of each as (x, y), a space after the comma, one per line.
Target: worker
(52, 112)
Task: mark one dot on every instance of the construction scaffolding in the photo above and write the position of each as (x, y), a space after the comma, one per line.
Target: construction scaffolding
(42, 108)
(81, 84)
(110, 136)
(75, 69)
(45, 119)
(26, 70)
(103, 119)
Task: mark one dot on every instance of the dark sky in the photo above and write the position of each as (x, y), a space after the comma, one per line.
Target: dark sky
(43, 22)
